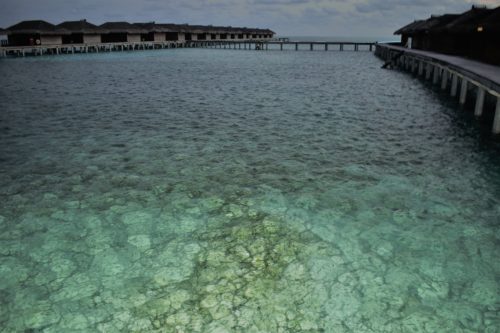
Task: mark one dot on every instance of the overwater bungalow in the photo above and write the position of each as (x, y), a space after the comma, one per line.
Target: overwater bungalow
(488, 30)
(472, 34)
(35, 32)
(458, 36)
(119, 32)
(81, 32)
(420, 34)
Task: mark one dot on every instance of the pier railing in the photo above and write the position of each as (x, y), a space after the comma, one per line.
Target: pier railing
(461, 77)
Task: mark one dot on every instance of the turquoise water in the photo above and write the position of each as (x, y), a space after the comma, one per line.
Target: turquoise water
(203, 190)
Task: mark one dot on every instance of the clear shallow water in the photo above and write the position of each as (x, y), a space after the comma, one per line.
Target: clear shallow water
(237, 191)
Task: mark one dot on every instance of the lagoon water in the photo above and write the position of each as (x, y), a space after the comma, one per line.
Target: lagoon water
(199, 190)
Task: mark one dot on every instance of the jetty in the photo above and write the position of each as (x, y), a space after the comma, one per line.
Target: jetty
(458, 52)
(282, 44)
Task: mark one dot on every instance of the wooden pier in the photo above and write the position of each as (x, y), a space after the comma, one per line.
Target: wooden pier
(21, 51)
(458, 75)
(282, 45)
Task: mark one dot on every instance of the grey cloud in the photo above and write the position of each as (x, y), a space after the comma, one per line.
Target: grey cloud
(287, 17)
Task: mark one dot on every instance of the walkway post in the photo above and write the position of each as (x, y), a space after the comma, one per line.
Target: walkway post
(444, 79)
(478, 111)
(463, 92)
(454, 85)
(435, 78)
(496, 121)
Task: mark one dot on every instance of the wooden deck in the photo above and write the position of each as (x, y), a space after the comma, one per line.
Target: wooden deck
(462, 75)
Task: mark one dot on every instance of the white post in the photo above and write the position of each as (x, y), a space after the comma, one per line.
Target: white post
(463, 91)
(436, 75)
(444, 79)
(454, 85)
(479, 102)
(496, 122)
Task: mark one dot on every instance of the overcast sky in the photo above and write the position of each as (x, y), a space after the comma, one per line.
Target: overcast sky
(370, 18)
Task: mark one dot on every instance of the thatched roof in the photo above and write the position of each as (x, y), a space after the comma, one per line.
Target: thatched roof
(199, 29)
(122, 27)
(409, 27)
(433, 23)
(152, 27)
(81, 26)
(36, 27)
(467, 22)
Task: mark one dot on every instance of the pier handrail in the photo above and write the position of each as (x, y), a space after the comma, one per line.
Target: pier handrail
(485, 74)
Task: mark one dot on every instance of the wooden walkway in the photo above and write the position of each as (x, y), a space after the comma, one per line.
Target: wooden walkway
(22, 51)
(449, 71)
(285, 45)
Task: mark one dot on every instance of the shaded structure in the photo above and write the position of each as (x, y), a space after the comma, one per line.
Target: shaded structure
(81, 32)
(472, 34)
(32, 33)
(35, 32)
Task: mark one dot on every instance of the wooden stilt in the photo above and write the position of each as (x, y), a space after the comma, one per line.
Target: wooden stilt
(454, 85)
(444, 79)
(496, 121)
(435, 77)
(463, 92)
(478, 111)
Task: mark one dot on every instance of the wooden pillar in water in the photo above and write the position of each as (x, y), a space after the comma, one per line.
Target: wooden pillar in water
(428, 70)
(311, 47)
(454, 85)
(326, 47)
(281, 46)
(421, 68)
(296, 46)
(496, 121)
(341, 47)
(435, 77)
(478, 111)
(444, 79)
(463, 92)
